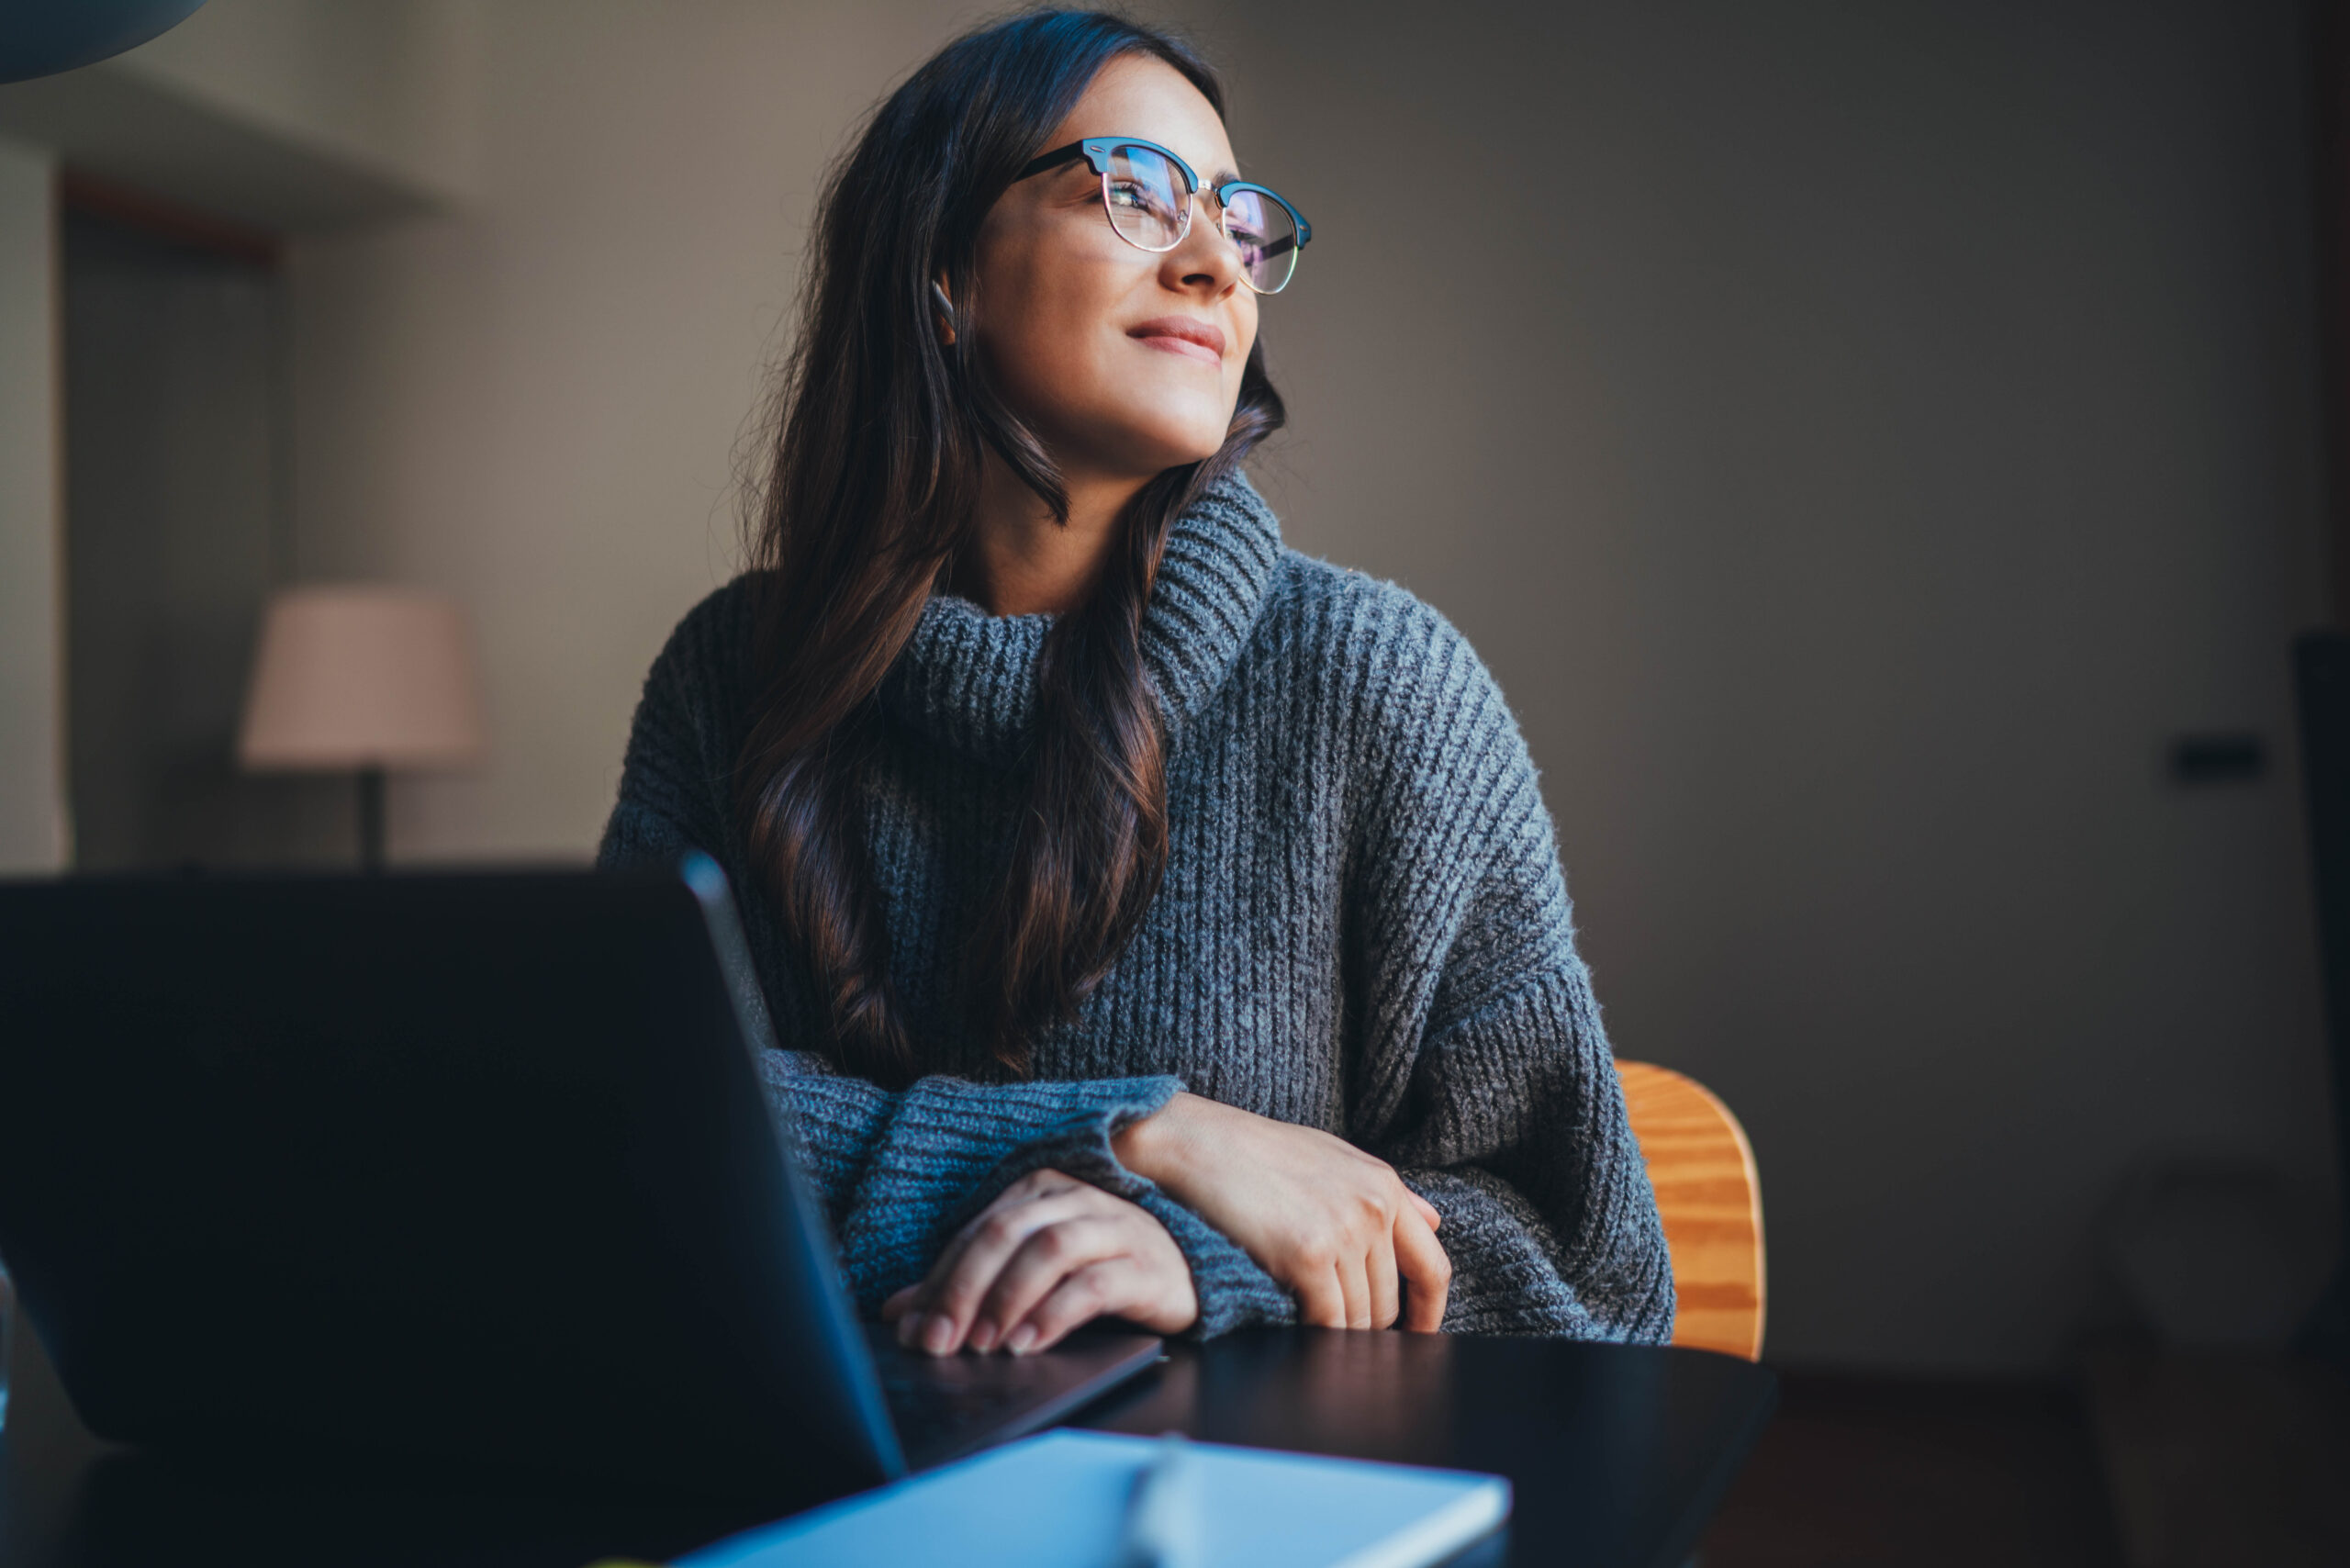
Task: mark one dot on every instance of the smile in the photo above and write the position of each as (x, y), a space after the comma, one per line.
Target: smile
(1182, 335)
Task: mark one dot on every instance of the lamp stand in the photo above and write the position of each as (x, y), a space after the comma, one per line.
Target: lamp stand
(371, 819)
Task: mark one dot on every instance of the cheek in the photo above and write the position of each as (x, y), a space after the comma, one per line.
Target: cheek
(1053, 336)
(1042, 337)
(1099, 397)
(1038, 328)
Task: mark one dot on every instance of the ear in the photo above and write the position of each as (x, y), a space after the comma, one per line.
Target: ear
(945, 310)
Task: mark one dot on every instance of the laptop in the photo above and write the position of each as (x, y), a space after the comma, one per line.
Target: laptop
(472, 1167)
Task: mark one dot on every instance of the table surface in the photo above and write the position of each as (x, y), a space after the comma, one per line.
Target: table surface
(1617, 1456)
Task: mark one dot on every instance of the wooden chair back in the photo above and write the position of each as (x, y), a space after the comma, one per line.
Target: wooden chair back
(1711, 1201)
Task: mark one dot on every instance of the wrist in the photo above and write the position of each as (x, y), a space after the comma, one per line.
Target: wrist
(1148, 1146)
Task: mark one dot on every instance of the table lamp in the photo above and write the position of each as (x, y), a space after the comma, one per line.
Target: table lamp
(362, 679)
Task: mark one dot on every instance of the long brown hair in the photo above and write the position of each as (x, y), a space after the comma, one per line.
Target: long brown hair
(881, 433)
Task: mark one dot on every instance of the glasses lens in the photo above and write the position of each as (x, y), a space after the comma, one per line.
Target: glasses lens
(1149, 203)
(1267, 236)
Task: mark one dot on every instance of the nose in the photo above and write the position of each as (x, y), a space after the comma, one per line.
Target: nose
(1206, 258)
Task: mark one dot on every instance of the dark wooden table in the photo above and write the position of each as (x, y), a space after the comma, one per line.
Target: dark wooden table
(1618, 1456)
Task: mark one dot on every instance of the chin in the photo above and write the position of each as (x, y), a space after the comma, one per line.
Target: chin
(1163, 444)
(1174, 456)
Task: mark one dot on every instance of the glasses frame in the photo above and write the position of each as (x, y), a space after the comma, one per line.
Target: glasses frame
(1097, 151)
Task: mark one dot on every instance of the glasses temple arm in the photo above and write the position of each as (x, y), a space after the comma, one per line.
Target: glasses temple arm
(1052, 159)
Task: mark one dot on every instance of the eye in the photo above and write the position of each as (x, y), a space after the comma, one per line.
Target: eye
(1140, 196)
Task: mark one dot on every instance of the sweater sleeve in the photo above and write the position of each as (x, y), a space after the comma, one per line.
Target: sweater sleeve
(1491, 1087)
(899, 1171)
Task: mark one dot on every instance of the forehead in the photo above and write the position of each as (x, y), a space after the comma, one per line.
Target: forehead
(1138, 96)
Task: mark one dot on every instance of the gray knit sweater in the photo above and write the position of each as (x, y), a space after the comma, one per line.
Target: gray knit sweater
(1362, 928)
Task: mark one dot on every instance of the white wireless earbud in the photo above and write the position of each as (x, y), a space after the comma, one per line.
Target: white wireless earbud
(946, 305)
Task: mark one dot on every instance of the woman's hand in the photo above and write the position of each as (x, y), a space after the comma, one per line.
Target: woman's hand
(1335, 1226)
(1049, 1254)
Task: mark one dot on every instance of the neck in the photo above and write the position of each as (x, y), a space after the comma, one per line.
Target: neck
(1021, 561)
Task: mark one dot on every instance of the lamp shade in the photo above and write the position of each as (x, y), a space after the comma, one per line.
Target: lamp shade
(362, 677)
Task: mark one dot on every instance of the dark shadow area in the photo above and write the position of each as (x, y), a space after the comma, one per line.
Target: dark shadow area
(175, 535)
(1919, 1472)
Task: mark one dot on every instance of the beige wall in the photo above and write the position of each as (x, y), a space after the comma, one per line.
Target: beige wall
(33, 830)
(534, 403)
(1858, 437)
(293, 116)
(387, 85)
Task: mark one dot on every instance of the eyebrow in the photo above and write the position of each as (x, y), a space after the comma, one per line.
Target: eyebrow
(1223, 177)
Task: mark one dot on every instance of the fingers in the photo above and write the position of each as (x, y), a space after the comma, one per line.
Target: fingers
(1367, 1267)
(1321, 1303)
(1354, 1283)
(1036, 1184)
(939, 1315)
(1048, 1259)
(1379, 1269)
(1098, 1289)
(1024, 1248)
(1140, 1275)
(1427, 1272)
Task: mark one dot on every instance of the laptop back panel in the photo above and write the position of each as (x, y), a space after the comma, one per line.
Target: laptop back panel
(471, 1165)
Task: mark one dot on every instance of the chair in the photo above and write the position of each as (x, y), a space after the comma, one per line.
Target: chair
(1711, 1201)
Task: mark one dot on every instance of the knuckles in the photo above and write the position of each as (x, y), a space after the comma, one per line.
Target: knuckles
(1087, 1294)
(1038, 1183)
(1084, 1289)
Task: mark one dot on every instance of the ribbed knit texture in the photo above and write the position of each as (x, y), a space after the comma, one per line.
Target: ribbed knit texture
(1363, 928)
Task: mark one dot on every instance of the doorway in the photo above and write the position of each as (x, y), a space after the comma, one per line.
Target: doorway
(177, 528)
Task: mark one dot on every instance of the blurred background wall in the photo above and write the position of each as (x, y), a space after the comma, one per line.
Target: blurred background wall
(1860, 439)
(33, 828)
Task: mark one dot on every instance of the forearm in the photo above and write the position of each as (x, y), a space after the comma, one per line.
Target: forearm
(1234, 1288)
(899, 1170)
(1157, 1148)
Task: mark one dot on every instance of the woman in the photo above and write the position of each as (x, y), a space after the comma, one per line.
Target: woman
(1158, 923)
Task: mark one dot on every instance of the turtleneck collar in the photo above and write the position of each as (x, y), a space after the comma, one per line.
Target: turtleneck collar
(968, 679)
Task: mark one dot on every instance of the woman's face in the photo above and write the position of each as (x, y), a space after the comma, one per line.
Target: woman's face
(1124, 361)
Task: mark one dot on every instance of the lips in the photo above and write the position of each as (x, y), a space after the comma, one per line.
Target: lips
(1182, 335)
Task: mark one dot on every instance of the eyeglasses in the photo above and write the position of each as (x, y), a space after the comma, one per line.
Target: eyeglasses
(1147, 191)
